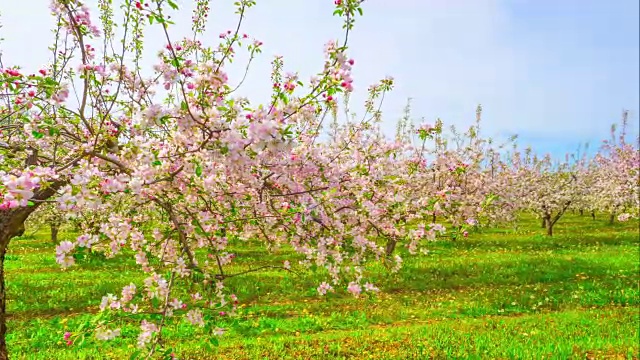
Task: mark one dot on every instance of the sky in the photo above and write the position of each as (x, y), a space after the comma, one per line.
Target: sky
(556, 72)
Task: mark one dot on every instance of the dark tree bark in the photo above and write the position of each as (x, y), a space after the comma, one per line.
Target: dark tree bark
(391, 246)
(593, 215)
(612, 218)
(12, 225)
(548, 224)
(552, 220)
(4, 353)
(54, 232)
(581, 212)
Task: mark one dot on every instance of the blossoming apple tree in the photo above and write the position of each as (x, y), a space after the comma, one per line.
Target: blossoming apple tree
(465, 179)
(174, 167)
(615, 173)
(544, 186)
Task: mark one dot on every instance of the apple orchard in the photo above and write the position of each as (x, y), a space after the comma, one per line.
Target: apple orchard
(174, 169)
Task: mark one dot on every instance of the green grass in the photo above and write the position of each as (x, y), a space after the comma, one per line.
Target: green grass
(502, 293)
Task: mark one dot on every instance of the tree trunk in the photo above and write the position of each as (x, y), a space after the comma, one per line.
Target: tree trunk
(4, 353)
(612, 218)
(433, 220)
(544, 222)
(12, 225)
(593, 215)
(54, 233)
(549, 224)
(391, 246)
(581, 212)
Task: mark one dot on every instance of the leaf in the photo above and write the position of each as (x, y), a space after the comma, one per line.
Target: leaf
(168, 353)
(208, 346)
(199, 170)
(37, 135)
(135, 355)
(199, 231)
(82, 326)
(283, 97)
(176, 62)
(51, 82)
(156, 163)
(173, 5)
(30, 203)
(214, 341)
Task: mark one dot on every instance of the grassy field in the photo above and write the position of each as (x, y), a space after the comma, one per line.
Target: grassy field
(500, 294)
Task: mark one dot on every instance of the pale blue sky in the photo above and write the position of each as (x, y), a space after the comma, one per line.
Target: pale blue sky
(556, 72)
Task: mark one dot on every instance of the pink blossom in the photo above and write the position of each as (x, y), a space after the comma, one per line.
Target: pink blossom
(324, 288)
(62, 253)
(148, 329)
(195, 317)
(354, 289)
(370, 287)
(106, 334)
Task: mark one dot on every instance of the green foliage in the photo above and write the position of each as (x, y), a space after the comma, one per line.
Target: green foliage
(497, 294)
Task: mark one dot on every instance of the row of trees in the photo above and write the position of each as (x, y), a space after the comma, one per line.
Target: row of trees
(173, 168)
(473, 181)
